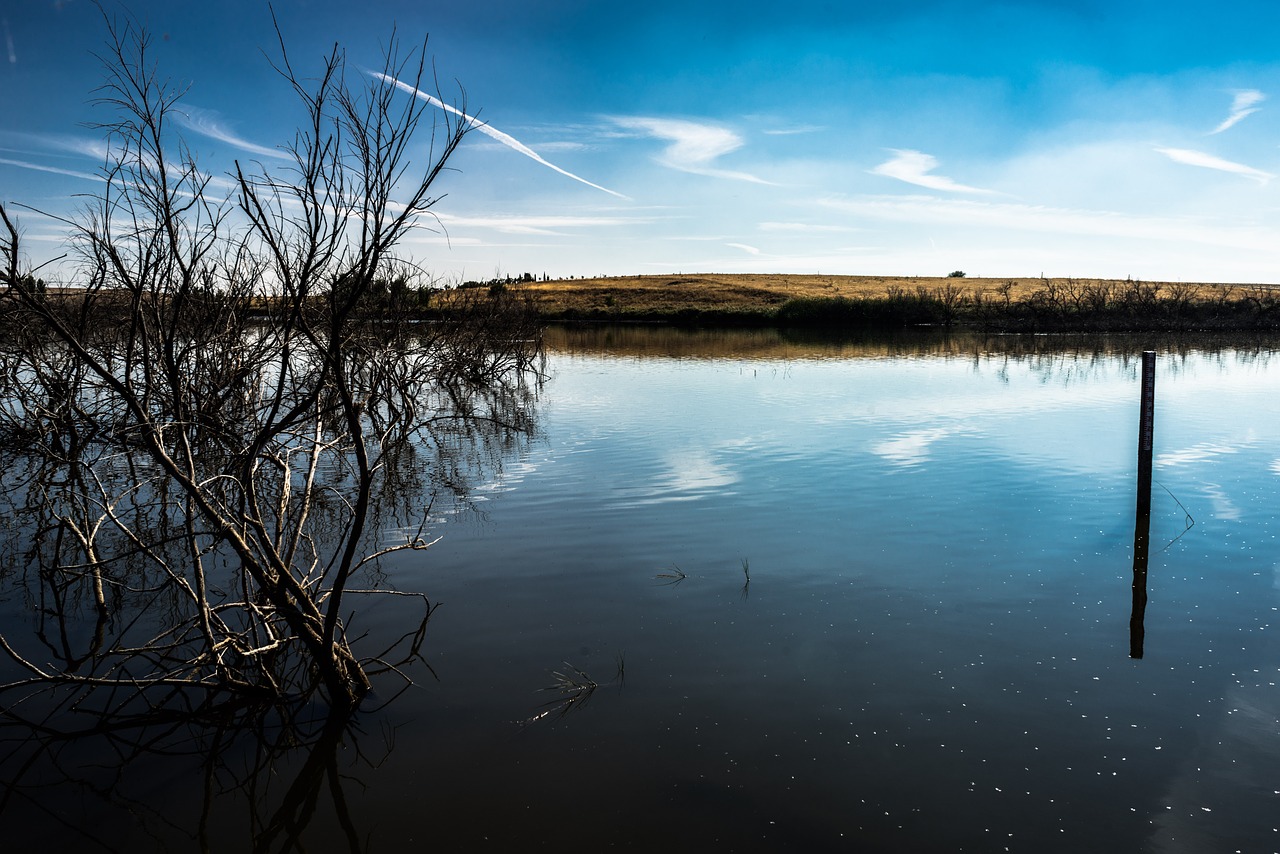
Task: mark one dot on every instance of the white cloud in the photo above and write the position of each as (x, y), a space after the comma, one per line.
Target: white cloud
(914, 168)
(490, 131)
(208, 123)
(563, 145)
(694, 146)
(97, 149)
(1058, 221)
(803, 227)
(547, 225)
(792, 131)
(1241, 106)
(1208, 161)
(23, 164)
(750, 250)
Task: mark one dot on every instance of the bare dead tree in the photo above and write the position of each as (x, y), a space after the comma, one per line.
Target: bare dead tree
(205, 422)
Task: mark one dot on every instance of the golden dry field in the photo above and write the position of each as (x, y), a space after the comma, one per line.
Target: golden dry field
(763, 292)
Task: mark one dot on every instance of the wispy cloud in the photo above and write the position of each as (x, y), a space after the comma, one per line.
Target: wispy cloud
(8, 43)
(1057, 221)
(793, 131)
(544, 225)
(1241, 106)
(43, 143)
(209, 123)
(1208, 161)
(914, 168)
(750, 250)
(489, 131)
(694, 147)
(805, 227)
(563, 145)
(23, 164)
(542, 146)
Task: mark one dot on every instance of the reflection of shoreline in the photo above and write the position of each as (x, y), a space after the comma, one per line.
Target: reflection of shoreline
(770, 344)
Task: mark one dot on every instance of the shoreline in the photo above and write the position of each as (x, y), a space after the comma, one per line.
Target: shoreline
(988, 304)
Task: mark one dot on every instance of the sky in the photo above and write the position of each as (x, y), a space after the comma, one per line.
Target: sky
(1083, 138)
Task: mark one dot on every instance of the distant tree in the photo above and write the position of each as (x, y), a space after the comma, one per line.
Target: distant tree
(956, 274)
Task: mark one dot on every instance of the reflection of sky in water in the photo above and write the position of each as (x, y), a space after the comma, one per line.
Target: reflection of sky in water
(694, 470)
(1221, 504)
(684, 474)
(900, 409)
(1198, 453)
(934, 640)
(912, 447)
(902, 622)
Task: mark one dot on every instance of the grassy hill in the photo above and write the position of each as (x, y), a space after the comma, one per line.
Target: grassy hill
(1014, 304)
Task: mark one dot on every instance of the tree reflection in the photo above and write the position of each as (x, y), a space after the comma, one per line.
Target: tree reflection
(266, 772)
(113, 682)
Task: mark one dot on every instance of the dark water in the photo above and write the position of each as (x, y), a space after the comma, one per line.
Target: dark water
(863, 596)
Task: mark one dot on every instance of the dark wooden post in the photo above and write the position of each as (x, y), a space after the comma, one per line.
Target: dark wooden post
(1146, 431)
(1142, 523)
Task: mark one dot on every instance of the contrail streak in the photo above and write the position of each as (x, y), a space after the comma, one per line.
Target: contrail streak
(23, 164)
(8, 42)
(488, 130)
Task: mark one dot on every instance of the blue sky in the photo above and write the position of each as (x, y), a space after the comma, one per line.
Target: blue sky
(1004, 139)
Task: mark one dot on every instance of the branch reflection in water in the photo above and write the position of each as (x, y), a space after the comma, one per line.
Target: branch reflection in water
(109, 674)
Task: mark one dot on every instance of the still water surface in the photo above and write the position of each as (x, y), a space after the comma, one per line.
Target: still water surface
(932, 651)
(869, 597)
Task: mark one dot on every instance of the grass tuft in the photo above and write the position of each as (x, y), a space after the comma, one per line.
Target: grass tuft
(672, 575)
(575, 687)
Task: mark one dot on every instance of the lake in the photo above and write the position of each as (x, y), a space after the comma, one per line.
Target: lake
(806, 594)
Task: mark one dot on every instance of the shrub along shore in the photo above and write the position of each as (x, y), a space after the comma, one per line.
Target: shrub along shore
(792, 301)
(1012, 305)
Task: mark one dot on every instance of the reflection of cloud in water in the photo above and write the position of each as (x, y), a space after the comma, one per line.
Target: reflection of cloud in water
(507, 480)
(1223, 506)
(687, 475)
(1199, 453)
(1228, 782)
(912, 448)
(1275, 465)
(695, 471)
